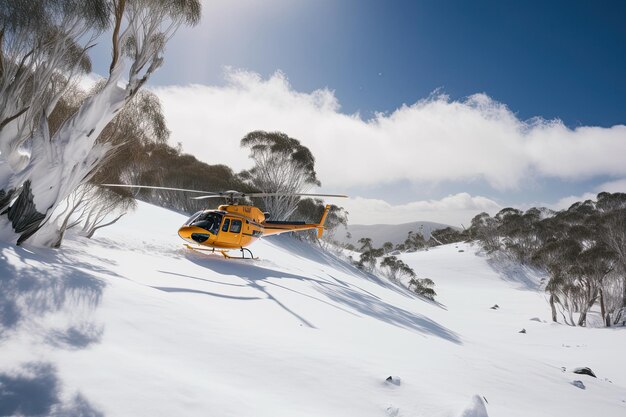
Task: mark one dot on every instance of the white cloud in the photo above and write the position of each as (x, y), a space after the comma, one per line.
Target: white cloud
(454, 209)
(565, 202)
(432, 140)
(617, 186)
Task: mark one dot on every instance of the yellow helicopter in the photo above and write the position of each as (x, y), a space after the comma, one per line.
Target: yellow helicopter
(234, 226)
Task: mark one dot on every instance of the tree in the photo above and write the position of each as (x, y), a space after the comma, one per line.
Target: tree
(139, 123)
(60, 162)
(366, 244)
(393, 269)
(396, 270)
(449, 235)
(613, 233)
(43, 47)
(281, 165)
(414, 241)
(387, 247)
(311, 210)
(423, 287)
(485, 229)
(596, 263)
(97, 207)
(572, 246)
(556, 256)
(582, 249)
(367, 259)
(162, 165)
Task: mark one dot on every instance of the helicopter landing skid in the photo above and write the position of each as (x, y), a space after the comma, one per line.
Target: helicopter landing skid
(225, 252)
(243, 254)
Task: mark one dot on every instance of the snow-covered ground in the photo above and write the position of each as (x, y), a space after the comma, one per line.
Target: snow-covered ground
(131, 324)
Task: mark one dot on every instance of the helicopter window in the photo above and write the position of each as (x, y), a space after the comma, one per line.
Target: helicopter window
(235, 227)
(208, 221)
(193, 218)
(226, 224)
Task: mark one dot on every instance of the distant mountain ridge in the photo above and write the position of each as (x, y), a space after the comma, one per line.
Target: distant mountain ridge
(381, 233)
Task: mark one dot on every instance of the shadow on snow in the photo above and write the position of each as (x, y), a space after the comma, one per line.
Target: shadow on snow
(336, 293)
(34, 284)
(512, 271)
(34, 390)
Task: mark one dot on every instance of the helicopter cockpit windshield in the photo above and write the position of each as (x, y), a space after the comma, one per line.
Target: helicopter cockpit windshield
(208, 221)
(193, 217)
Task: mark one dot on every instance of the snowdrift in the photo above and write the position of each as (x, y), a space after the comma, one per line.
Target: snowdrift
(130, 323)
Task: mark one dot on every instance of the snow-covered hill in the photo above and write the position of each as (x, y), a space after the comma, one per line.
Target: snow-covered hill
(131, 324)
(381, 233)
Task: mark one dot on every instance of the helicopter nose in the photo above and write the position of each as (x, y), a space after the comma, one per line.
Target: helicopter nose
(193, 234)
(185, 232)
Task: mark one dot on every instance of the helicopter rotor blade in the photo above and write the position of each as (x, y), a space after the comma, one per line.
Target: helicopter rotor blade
(164, 188)
(203, 197)
(293, 194)
(226, 194)
(243, 195)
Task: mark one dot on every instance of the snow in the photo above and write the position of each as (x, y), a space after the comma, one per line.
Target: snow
(476, 409)
(131, 323)
(381, 233)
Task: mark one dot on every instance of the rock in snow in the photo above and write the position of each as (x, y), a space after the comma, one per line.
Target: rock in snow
(395, 380)
(393, 411)
(584, 371)
(476, 409)
(578, 384)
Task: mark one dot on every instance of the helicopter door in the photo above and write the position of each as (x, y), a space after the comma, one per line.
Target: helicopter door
(231, 231)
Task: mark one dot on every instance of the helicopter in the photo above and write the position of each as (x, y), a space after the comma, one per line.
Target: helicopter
(233, 226)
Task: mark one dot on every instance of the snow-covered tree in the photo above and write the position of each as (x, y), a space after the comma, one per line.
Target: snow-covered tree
(423, 287)
(281, 165)
(583, 250)
(43, 46)
(413, 241)
(612, 298)
(485, 229)
(613, 234)
(33, 185)
(366, 244)
(387, 247)
(103, 208)
(396, 270)
(369, 254)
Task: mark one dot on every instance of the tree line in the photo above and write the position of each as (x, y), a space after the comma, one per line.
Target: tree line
(384, 261)
(379, 260)
(583, 250)
(415, 240)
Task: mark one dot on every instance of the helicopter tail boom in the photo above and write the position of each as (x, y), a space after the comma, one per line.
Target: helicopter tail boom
(320, 227)
(277, 227)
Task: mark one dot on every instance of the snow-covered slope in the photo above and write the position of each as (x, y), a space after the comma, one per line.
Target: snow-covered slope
(381, 233)
(131, 324)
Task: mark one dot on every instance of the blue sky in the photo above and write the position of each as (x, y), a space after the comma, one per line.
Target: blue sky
(561, 60)
(554, 59)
